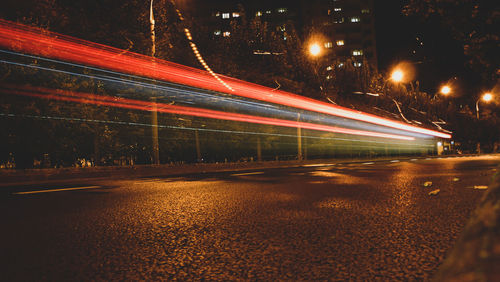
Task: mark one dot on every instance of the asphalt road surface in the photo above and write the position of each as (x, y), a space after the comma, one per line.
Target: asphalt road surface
(358, 221)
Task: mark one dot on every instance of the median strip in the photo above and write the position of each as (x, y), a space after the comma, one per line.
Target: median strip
(56, 190)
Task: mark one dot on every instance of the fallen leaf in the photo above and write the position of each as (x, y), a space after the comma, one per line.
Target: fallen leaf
(481, 187)
(428, 184)
(434, 193)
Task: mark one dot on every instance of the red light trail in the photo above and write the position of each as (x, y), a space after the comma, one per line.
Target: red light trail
(40, 42)
(70, 96)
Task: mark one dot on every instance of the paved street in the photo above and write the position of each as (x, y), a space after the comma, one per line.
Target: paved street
(359, 221)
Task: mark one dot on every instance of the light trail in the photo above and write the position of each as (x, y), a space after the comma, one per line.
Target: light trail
(86, 98)
(30, 40)
(175, 94)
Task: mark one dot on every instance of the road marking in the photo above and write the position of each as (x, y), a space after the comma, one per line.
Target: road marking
(368, 163)
(315, 165)
(427, 158)
(57, 190)
(247, 173)
(395, 161)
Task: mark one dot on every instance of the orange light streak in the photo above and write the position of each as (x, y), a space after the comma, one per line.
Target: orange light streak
(86, 98)
(39, 42)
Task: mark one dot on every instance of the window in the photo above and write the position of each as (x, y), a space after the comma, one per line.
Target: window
(328, 77)
(365, 11)
(217, 32)
(355, 20)
(337, 9)
(217, 14)
(258, 14)
(225, 15)
(358, 64)
(357, 52)
(340, 42)
(282, 10)
(329, 12)
(236, 15)
(226, 34)
(329, 68)
(340, 65)
(328, 45)
(268, 11)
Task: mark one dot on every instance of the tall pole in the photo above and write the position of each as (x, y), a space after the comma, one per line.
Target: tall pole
(154, 111)
(299, 140)
(477, 109)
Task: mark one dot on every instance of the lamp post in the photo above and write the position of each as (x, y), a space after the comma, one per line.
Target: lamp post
(445, 90)
(487, 97)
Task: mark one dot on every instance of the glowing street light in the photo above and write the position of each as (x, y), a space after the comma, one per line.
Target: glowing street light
(314, 49)
(397, 75)
(487, 97)
(445, 90)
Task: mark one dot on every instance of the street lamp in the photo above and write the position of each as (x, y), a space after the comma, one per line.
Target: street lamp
(397, 75)
(445, 90)
(487, 97)
(314, 49)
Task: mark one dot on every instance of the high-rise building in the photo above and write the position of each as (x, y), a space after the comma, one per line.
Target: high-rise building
(346, 26)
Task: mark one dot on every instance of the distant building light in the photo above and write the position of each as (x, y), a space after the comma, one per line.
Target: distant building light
(340, 65)
(217, 14)
(268, 11)
(328, 77)
(440, 143)
(226, 34)
(328, 45)
(329, 68)
(357, 52)
(258, 14)
(282, 10)
(338, 20)
(337, 9)
(236, 15)
(284, 37)
(358, 64)
(225, 15)
(355, 20)
(365, 11)
(340, 42)
(329, 12)
(217, 32)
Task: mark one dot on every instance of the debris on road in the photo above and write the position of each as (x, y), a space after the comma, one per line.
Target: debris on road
(428, 184)
(434, 192)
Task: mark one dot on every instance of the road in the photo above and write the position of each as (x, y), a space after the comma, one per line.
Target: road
(359, 221)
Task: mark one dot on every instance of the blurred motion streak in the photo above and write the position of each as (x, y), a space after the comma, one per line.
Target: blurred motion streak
(40, 42)
(69, 96)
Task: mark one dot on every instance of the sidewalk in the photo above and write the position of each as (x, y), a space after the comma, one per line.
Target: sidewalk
(59, 175)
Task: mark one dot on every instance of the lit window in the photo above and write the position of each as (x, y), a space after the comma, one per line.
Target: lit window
(355, 20)
(236, 15)
(328, 45)
(225, 15)
(365, 11)
(328, 77)
(217, 14)
(340, 42)
(338, 20)
(217, 32)
(357, 52)
(226, 34)
(340, 65)
(258, 14)
(337, 9)
(268, 11)
(284, 37)
(329, 12)
(281, 10)
(358, 64)
(329, 68)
